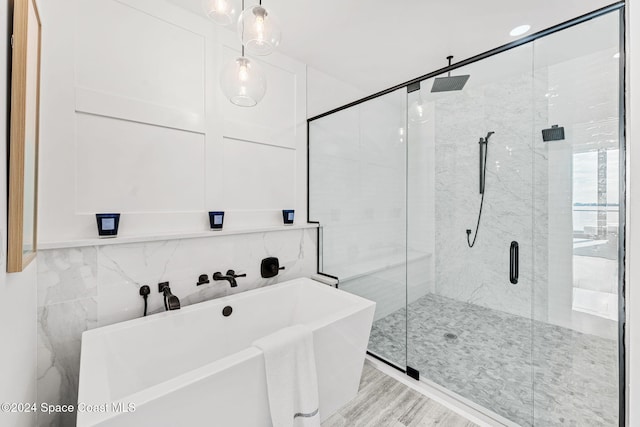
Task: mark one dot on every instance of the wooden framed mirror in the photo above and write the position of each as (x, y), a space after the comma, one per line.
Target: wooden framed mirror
(24, 135)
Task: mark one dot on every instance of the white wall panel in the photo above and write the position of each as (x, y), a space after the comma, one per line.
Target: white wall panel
(105, 104)
(273, 120)
(131, 167)
(277, 118)
(124, 51)
(133, 120)
(258, 176)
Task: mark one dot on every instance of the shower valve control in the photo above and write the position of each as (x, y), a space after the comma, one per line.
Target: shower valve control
(270, 267)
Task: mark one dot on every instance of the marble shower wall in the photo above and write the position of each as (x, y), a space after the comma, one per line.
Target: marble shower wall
(480, 275)
(87, 287)
(357, 184)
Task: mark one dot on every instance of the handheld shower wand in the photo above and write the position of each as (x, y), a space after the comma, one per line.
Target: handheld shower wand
(483, 144)
(483, 160)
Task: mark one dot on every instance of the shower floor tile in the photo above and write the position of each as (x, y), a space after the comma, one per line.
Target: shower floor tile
(490, 360)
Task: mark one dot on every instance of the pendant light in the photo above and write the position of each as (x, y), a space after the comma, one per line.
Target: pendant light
(418, 110)
(259, 30)
(222, 12)
(242, 81)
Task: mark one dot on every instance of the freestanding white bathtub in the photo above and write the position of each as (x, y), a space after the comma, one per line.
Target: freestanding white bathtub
(196, 367)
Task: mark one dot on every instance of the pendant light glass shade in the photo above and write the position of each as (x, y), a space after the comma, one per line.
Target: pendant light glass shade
(222, 12)
(418, 111)
(243, 82)
(259, 30)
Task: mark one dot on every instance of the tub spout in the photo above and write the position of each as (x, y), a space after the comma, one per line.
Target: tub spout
(171, 302)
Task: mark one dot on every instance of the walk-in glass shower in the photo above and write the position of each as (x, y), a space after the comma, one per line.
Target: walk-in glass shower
(527, 158)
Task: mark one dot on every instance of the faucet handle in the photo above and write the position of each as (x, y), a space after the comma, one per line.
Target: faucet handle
(233, 274)
(202, 279)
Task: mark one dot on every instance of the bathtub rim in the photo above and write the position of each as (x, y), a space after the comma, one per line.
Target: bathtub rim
(358, 301)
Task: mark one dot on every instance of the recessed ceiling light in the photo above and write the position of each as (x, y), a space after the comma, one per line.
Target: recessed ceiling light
(617, 55)
(520, 30)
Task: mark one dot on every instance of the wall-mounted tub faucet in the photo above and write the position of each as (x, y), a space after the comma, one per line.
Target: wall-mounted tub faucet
(230, 277)
(171, 302)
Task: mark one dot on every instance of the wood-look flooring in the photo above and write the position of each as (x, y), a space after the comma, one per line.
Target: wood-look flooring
(384, 402)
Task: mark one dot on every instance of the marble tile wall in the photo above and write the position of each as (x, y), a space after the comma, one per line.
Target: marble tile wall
(357, 186)
(480, 275)
(84, 288)
(443, 199)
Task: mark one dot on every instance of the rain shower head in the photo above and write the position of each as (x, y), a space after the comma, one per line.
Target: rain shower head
(554, 133)
(449, 83)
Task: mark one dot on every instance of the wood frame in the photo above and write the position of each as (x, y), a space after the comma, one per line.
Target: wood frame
(17, 257)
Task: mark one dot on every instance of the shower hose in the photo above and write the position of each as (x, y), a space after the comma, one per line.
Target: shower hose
(484, 180)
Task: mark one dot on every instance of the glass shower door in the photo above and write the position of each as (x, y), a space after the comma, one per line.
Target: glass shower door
(357, 171)
(469, 308)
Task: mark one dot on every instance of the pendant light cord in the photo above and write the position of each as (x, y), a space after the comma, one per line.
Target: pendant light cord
(242, 38)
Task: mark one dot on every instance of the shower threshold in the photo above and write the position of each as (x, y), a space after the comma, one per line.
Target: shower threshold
(468, 409)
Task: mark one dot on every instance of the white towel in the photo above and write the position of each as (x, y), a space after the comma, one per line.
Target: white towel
(292, 380)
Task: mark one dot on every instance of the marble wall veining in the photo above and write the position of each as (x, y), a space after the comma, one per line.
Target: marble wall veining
(504, 107)
(88, 287)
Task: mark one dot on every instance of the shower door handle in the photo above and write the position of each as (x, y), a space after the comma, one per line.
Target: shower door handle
(513, 263)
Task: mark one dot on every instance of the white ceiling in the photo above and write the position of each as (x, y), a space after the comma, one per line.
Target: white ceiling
(376, 44)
